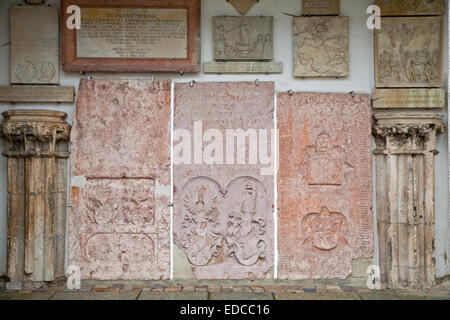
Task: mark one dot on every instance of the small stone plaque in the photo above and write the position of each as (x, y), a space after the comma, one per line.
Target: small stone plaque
(243, 67)
(409, 52)
(243, 38)
(34, 45)
(321, 46)
(243, 6)
(411, 7)
(408, 98)
(33, 93)
(320, 7)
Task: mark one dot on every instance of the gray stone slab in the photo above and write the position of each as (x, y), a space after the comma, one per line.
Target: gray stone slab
(173, 296)
(241, 296)
(37, 93)
(80, 295)
(378, 295)
(243, 67)
(26, 296)
(34, 45)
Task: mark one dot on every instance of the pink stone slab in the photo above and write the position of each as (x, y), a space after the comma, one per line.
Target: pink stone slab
(223, 213)
(324, 184)
(119, 222)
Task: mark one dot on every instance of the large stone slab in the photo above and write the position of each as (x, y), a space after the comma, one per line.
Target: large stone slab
(237, 67)
(321, 46)
(223, 216)
(243, 38)
(409, 98)
(411, 7)
(409, 52)
(119, 222)
(324, 184)
(321, 7)
(33, 93)
(34, 45)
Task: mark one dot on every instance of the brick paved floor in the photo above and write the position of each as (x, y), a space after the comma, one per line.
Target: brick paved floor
(96, 290)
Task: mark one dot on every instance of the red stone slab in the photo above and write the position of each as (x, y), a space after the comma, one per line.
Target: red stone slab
(223, 212)
(324, 184)
(119, 222)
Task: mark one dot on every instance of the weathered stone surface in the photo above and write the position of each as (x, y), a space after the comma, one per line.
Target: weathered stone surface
(81, 295)
(119, 222)
(411, 7)
(409, 98)
(223, 217)
(37, 153)
(243, 38)
(409, 52)
(35, 93)
(241, 296)
(173, 296)
(34, 45)
(405, 196)
(243, 6)
(321, 7)
(243, 67)
(321, 46)
(324, 184)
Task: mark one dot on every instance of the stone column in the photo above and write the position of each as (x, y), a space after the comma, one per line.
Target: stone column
(37, 152)
(405, 196)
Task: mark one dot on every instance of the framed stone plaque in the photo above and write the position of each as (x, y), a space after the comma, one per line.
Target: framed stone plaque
(320, 7)
(133, 36)
(409, 52)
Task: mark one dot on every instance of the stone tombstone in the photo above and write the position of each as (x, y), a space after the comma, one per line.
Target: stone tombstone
(120, 168)
(324, 184)
(37, 152)
(409, 52)
(136, 36)
(243, 38)
(411, 7)
(321, 7)
(34, 45)
(223, 180)
(243, 6)
(321, 46)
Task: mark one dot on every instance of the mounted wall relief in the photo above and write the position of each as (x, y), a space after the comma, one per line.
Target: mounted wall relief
(37, 153)
(405, 187)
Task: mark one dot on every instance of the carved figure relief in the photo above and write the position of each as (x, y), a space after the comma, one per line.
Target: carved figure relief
(325, 162)
(409, 52)
(325, 230)
(243, 38)
(321, 46)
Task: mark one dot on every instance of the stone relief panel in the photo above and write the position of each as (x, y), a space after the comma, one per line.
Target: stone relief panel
(408, 52)
(223, 211)
(411, 7)
(324, 184)
(321, 46)
(243, 38)
(120, 220)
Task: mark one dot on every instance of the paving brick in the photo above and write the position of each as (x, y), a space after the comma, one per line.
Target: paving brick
(188, 288)
(309, 290)
(173, 288)
(95, 296)
(242, 289)
(257, 289)
(274, 288)
(173, 296)
(241, 296)
(297, 296)
(105, 289)
(333, 288)
(214, 288)
(293, 289)
(378, 295)
(201, 288)
(227, 288)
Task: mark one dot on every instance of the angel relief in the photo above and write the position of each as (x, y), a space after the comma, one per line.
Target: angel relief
(200, 227)
(246, 229)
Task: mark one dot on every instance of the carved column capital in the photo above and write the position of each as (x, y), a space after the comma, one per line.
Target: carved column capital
(407, 131)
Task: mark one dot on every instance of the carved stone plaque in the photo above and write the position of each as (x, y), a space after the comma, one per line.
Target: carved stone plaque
(320, 7)
(409, 98)
(138, 36)
(243, 38)
(243, 6)
(321, 46)
(409, 52)
(411, 7)
(120, 160)
(34, 45)
(33, 93)
(324, 184)
(223, 181)
(243, 67)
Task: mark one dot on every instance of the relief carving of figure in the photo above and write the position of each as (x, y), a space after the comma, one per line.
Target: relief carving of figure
(201, 231)
(246, 229)
(324, 230)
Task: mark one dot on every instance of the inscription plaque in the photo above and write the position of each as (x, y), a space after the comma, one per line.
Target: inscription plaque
(411, 7)
(409, 98)
(34, 45)
(136, 36)
(34, 93)
(320, 7)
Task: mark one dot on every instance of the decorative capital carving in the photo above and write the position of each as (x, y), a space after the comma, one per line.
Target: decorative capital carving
(406, 130)
(40, 125)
